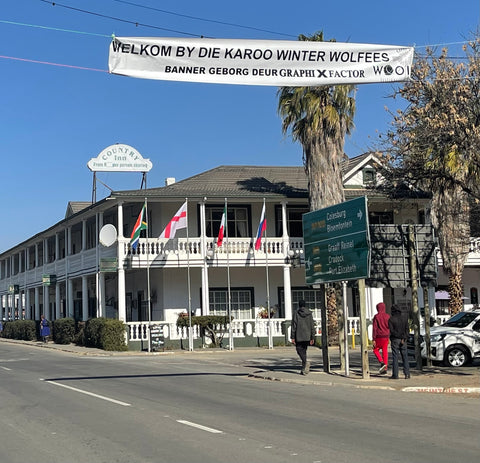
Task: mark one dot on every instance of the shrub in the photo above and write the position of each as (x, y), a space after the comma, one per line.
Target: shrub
(80, 334)
(93, 332)
(20, 329)
(64, 330)
(212, 326)
(113, 335)
(105, 333)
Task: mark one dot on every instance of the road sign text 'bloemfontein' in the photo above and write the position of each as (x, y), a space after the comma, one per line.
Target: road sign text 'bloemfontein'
(336, 242)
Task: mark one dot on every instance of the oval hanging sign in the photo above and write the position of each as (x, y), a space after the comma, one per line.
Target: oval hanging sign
(119, 158)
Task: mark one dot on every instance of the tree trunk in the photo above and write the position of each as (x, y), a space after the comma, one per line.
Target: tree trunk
(455, 289)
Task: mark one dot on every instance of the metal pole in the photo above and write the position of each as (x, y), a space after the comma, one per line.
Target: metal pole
(148, 283)
(190, 334)
(414, 285)
(229, 295)
(345, 328)
(363, 330)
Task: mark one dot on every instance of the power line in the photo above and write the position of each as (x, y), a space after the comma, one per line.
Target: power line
(52, 64)
(197, 18)
(136, 24)
(15, 23)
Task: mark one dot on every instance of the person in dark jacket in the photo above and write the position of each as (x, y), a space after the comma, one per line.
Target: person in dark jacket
(380, 335)
(303, 334)
(398, 325)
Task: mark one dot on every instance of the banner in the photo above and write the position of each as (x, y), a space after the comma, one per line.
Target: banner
(279, 63)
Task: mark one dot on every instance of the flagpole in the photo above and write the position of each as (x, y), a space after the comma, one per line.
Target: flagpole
(229, 294)
(148, 281)
(270, 340)
(190, 334)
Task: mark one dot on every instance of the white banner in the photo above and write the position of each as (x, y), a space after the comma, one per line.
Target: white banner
(259, 62)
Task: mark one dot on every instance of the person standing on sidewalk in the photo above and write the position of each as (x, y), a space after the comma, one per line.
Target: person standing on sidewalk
(398, 325)
(303, 334)
(380, 335)
(44, 328)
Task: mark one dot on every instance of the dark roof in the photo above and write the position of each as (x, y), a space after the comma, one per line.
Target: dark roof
(240, 182)
(76, 206)
(233, 181)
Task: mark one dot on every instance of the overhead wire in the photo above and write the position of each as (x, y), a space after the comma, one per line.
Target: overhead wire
(138, 24)
(197, 18)
(126, 21)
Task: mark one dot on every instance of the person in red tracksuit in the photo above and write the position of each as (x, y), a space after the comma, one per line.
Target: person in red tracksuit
(381, 334)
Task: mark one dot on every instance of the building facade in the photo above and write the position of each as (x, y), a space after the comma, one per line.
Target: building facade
(66, 271)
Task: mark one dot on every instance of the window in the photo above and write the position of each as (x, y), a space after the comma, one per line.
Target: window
(91, 238)
(474, 296)
(294, 221)
(240, 302)
(380, 218)
(312, 297)
(369, 177)
(238, 224)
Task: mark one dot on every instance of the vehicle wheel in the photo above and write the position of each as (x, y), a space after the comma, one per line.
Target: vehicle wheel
(456, 356)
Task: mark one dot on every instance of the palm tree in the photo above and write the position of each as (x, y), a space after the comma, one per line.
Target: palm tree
(319, 118)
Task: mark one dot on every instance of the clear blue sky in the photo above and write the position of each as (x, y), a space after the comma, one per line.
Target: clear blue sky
(54, 119)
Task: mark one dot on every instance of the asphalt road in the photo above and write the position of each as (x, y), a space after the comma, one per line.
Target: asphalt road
(203, 407)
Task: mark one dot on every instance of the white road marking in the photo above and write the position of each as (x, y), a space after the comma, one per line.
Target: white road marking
(5, 368)
(199, 426)
(108, 399)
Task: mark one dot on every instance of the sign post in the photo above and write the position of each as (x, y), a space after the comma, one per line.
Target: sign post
(336, 242)
(337, 248)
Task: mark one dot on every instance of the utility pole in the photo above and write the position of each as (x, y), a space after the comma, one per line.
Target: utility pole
(363, 330)
(414, 286)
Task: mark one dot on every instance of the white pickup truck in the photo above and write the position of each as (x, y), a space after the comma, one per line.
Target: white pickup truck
(457, 342)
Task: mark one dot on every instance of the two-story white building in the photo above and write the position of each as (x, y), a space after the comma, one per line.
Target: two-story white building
(65, 271)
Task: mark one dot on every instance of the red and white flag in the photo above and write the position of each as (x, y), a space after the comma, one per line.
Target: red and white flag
(221, 232)
(262, 226)
(179, 221)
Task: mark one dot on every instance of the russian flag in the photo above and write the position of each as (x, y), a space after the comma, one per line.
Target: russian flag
(262, 226)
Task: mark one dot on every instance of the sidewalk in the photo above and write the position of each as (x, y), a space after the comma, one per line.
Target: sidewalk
(435, 379)
(430, 379)
(282, 364)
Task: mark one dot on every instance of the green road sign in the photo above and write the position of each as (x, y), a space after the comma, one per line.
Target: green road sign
(336, 242)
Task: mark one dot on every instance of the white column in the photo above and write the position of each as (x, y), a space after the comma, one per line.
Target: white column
(101, 295)
(46, 302)
(99, 277)
(205, 284)
(287, 286)
(57, 247)
(287, 292)
(84, 235)
(122, 310)
(36, 310)
(28, 312)
(57, 300)
(84, 298)
(69, 311)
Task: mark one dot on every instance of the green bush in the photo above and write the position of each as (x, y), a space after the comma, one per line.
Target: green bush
(80, 334)
(93, 332)
(208, 325)
(20, 329)
(64, 330)
(105, 333)
(113, 335)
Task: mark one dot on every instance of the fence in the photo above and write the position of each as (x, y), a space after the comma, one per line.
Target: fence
(254, 328)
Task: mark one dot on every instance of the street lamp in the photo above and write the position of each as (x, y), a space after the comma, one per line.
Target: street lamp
(294, 258)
